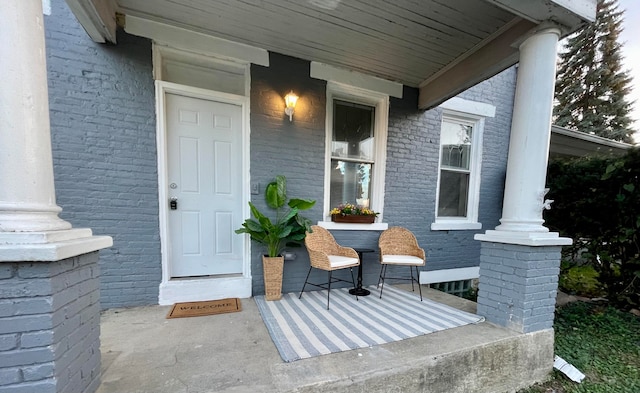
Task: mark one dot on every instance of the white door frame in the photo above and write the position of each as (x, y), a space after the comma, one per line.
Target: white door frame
(215, 287)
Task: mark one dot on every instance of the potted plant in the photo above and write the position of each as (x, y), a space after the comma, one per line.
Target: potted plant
(351, 213)
(288, 228)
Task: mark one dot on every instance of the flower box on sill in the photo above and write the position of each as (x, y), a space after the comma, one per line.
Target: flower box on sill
(353, 218)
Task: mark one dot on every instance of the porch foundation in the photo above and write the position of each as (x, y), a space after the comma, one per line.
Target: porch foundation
(50, 325)
(518, 285)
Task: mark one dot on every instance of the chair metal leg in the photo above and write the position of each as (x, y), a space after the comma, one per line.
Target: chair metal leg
(354, 281)
(418, 282)
(413, 289)
(328, 289)
(380, 276)
(383, 273)
(305, 282)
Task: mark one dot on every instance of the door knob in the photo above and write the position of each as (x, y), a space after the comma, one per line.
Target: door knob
(173, 203)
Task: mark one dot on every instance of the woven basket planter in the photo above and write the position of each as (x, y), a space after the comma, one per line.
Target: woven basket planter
(354, 219)
(273, 268)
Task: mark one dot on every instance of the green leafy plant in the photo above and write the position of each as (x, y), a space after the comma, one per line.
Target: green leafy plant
(597, 203)
(287, 228)
(602, 342)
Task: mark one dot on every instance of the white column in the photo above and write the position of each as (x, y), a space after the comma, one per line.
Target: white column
(529, 145)
(27, 194)
(30, 229)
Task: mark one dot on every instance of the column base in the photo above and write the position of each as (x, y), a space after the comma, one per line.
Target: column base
(524, 238)
(31, 218)
(50, 245)
(51, 328)
(518, 285)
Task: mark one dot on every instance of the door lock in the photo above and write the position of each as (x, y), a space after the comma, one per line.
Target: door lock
(173, 203)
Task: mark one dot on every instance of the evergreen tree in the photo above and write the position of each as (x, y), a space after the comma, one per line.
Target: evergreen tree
(591, 87)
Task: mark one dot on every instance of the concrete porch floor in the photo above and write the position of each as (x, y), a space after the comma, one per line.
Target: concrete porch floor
(142, 352)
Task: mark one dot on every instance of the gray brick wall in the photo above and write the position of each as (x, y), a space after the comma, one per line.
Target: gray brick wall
(103, 137)
(104, 151)
(518, 285)
(50, 326)
(293, 149)
(412, 162)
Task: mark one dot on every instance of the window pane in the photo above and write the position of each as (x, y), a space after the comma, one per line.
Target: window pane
(454, 190)
(352, 130)
(350, 183)
(456, 145)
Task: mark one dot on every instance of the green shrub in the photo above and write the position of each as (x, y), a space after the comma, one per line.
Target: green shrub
(597, 203)
(581, 280)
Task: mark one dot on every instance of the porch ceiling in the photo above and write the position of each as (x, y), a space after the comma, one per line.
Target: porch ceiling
(442, 46)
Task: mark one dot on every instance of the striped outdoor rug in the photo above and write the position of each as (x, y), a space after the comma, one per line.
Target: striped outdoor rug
(303, 328)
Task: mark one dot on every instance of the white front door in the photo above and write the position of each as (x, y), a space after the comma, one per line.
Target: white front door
(204, 148)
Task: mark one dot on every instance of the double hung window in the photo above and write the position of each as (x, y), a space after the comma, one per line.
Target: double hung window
(352, 153)
(455, 168)
(356, 147)
(460, 158)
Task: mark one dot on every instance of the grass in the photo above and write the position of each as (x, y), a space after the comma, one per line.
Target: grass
(603, 343)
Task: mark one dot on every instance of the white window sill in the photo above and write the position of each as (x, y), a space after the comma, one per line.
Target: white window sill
(376, 226)
(455, 226)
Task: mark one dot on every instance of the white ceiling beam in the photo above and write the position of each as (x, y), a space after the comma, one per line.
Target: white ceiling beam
(97, 17)
(482, 62)
(330, 73)
(570, 14)
(500, 51)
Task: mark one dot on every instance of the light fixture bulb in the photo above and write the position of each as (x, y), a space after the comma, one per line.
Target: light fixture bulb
(290, 100)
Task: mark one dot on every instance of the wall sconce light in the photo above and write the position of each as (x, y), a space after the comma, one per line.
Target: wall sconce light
(290, 100)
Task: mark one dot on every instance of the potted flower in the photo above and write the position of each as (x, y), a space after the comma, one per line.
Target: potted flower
(288, 228)
(349, 212)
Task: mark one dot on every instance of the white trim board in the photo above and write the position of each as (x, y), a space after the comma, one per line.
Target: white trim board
(376, 226)
(200, 289)
(196, 42)
(356, 79)
(467, 107)
(447, 275)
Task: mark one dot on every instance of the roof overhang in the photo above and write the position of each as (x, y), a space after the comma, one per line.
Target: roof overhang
(97, 17)
(442, 47)
(570, 143)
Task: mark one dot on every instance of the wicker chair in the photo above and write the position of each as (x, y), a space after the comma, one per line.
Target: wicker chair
(398, 246)
(326, 254)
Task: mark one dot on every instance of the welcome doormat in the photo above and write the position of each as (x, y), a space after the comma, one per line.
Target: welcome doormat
(209, 307)
(303, 328)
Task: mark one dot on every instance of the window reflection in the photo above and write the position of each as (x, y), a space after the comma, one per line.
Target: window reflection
(350, 183)
(352, 130)
(352, 153)
(454, 193)
(455, 159)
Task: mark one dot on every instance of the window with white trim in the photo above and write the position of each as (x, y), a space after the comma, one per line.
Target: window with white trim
(356, 138)
(458, 188)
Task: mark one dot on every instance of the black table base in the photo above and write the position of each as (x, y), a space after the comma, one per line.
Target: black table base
(358, 290)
